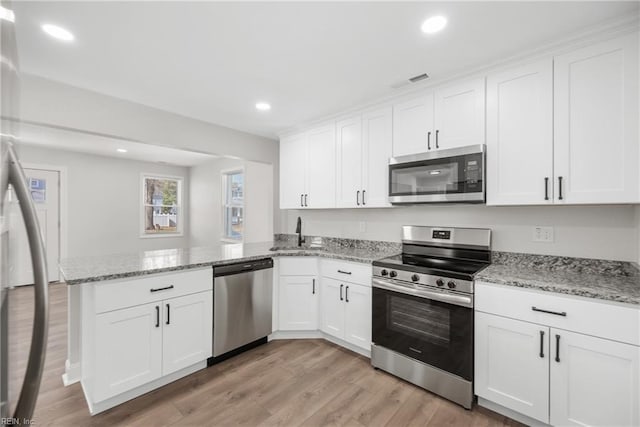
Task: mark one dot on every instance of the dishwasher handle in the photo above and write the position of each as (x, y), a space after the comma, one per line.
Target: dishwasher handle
(242, 267)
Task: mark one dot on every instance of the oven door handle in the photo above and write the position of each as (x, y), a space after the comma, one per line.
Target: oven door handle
(446, 297)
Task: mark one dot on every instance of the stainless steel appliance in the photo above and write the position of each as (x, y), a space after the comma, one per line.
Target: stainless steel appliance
(242, 307)
(423, 308)
(443, 176)
(17, 403)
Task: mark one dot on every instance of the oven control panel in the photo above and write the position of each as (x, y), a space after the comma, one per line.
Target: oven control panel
(427, 280)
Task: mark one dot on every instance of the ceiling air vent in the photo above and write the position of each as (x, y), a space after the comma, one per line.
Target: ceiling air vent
(414, 79)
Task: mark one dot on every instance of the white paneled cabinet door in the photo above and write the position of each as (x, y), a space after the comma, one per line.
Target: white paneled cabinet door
(413, 126)
(594, 382)
(596, 123)
(520, 135)
(321, 167)
(358, 315)
(293, 160)
(332, 297)
(298, 303)
(459, 115)
(129, 351)
(187, 331)
(376, 147)
(349, 163)
(512, 364)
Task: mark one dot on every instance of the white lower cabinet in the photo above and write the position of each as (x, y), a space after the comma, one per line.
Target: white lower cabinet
(298, 303)
(346, 311)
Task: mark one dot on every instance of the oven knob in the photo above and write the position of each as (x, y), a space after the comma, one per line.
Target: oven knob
(451, 284)
(393, 274)
(440, 282)
(415, 278)
(384, 272)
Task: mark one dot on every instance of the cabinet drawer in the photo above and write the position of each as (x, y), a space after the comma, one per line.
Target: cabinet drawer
(118, 294)
(298, 266)
(346, 271)
(600, 319)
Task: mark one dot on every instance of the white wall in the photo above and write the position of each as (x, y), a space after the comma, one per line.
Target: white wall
(206, 201)
(606, 232)
(104, 200)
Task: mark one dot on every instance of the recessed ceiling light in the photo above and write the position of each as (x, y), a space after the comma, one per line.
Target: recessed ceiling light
(263, 106)
(58, 32)
(434, 24)
(121, 150)
(7, 14)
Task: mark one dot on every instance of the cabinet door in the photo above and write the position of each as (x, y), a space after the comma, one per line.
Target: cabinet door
(187, 331)
(332, 297)
(593, 381)
(358, 315)
(459, 115)
(129, 349)
(349, 163)
(520, 135)
(298, 303)
(413, 126)
(596, 123)
(321, 167)
(376, 148)
(293, 160)
(512, 364)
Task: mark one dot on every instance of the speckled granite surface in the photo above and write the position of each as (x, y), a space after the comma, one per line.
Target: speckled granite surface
(605, 280)
(117, 266)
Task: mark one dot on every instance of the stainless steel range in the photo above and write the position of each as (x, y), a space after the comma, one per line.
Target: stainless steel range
(423, 309)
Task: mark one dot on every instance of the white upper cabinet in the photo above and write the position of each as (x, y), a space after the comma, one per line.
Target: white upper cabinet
(520, 135)
(596, 123)
(459, 114)
(413, 126)
(307, 169)
(349, 162)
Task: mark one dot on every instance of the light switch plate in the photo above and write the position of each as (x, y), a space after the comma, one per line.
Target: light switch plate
(543, 234)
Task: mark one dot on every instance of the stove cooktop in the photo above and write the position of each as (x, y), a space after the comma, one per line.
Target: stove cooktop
(456, 268)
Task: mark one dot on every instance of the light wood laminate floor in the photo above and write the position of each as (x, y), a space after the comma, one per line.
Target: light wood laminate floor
(286, 383)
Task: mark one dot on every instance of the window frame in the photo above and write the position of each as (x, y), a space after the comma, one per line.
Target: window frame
(224, 177)
(179, 205)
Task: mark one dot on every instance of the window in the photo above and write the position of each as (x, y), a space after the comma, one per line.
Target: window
(161, 205)
(233, 205)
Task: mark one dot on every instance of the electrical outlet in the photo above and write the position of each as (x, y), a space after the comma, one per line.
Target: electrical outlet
(362, 226)
(543, 234)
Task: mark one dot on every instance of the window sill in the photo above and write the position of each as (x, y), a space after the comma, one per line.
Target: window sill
(160, 235)
(226, 240)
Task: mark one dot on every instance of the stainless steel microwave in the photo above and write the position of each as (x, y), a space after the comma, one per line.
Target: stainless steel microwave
(455, 175)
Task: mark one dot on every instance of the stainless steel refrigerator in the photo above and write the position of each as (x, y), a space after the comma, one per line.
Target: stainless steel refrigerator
(17, 398)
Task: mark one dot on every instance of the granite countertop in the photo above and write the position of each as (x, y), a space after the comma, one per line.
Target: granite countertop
(605, 280)
(108, 267)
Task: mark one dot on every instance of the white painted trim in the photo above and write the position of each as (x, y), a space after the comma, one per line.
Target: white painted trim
(63, 206)
(181, 206)
(305, 335)
(72, 373)
(223, 194)
(607, 30)
(510, 413)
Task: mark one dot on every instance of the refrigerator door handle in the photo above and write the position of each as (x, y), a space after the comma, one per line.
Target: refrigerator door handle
(35, 365)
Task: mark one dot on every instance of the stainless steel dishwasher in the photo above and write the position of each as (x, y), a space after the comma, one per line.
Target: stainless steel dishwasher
(242, 307)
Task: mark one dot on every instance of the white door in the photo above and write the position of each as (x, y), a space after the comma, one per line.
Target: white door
(520, 135)
(298, 303)
(136, 334)
(459, 114)
(512, 364)
(594, 382)
(349, 163)
(332, 303)
(187, 329)
(358, 315)
(596, 123)
(321, 167)
(293, 160)
(377, 146)
(45, 193)
(413, 126)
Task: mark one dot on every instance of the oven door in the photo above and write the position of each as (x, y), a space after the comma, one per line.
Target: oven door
(455, 175)
(437, 333)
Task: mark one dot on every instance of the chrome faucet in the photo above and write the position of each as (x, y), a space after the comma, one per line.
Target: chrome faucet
(299, 232)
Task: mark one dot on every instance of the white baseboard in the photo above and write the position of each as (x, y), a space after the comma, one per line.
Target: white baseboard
(72, 373)
(510, 413)
(297, 335)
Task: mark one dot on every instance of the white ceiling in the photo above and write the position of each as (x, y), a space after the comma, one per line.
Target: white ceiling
(213, 61)
(63, 139)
